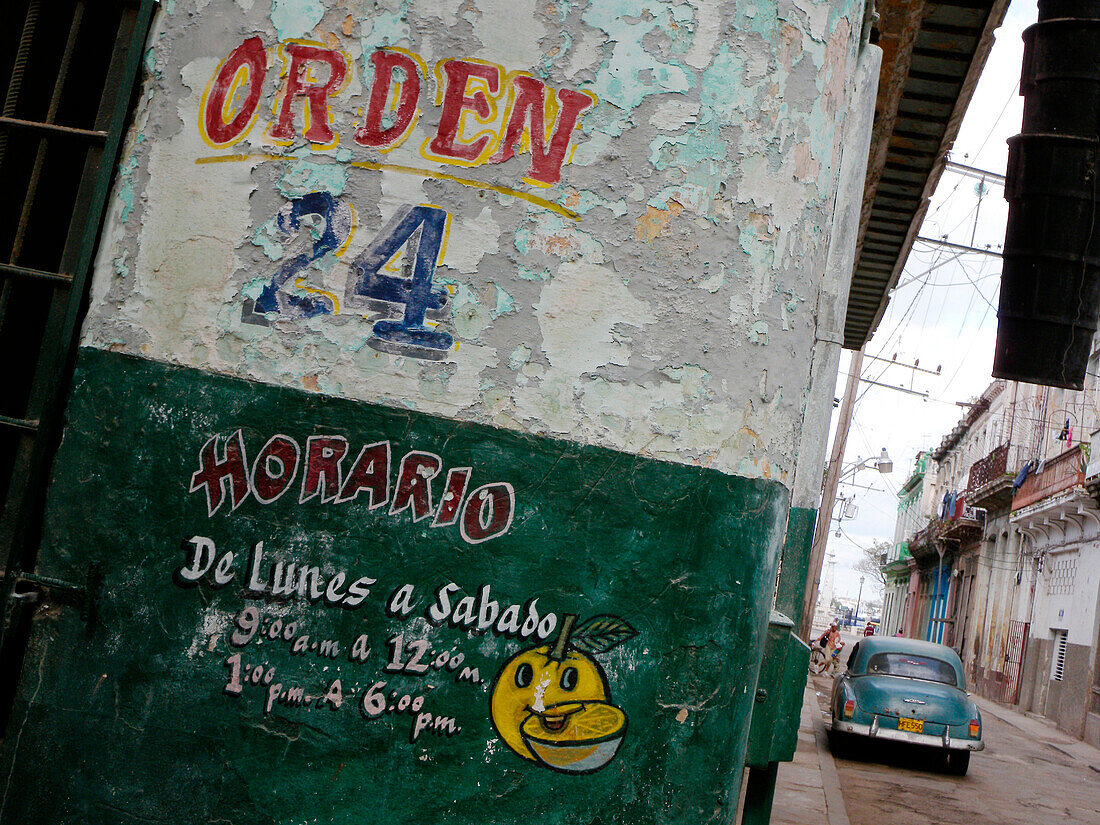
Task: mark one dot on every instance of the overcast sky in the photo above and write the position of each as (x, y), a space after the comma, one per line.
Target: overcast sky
(943, 318)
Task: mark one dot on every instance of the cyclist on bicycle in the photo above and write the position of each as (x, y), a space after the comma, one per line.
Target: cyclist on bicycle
(820, 660)
(830, 638)
(830, 641)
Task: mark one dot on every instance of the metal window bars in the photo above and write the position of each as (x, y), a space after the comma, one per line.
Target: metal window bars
(67, 69)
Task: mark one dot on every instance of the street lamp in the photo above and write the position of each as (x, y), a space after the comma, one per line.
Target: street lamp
(833, 475)
(859, 598)
(881, 462)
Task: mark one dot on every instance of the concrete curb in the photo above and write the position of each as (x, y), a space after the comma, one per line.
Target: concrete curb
(830, 779)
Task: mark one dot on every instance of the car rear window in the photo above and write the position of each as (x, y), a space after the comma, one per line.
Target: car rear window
(912, 667)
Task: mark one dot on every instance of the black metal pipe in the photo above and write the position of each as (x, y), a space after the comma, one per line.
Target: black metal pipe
(1050, 284)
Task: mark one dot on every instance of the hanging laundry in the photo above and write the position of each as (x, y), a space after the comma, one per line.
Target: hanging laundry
(1021, 476)
(1064, 434)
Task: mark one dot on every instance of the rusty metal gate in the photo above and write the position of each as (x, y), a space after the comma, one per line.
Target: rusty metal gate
(1014, 659)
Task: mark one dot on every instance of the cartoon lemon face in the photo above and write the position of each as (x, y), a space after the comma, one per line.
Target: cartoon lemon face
(532, 681)
(552, 705)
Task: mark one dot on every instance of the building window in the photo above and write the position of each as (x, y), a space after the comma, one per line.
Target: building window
(1062, 572)
(1058, 663)
(67, 71)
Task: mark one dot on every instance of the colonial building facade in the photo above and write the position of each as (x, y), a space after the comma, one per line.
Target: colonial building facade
(915, 508)
(1007, 568)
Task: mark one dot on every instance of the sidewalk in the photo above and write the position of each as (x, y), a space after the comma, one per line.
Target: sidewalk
(807, 791)
(1042, 730)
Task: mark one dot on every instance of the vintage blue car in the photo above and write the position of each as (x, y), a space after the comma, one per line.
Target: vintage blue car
(906, 690)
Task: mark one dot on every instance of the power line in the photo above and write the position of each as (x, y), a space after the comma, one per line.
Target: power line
(908, 315)
(899, 327)
(992, 129)
(1012, 95)
(973, 211)
(967, 283)
(867, 443)
(928, 271)
(976, 289)
(928, 303)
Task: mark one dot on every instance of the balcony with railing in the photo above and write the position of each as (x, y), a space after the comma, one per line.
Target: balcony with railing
(959, 529)
(1063, 472)
(990, 482)
(895, 563)
(965, 527)
(924, 543)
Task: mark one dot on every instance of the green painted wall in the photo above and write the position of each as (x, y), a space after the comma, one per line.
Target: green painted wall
(796, 563)
(129, 719)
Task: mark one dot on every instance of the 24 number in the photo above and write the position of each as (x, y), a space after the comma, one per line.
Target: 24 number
(410, 295)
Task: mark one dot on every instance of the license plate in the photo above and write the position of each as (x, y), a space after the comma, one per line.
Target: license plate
(911, 725)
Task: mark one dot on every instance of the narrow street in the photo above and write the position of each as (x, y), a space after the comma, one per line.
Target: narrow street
(1019, 779)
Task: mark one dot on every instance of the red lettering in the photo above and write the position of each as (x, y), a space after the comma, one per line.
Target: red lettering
(213, 473)
(479, 525)
(455, 101)
(528, 110)
(414, 484)
(316, 94)
(274, 469)
(370, 472)
(323, 456)
(250, 58)
(453, 491)
(371, 132)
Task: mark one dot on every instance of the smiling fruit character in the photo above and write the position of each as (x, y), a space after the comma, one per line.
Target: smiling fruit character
(552, 705)
(584, 736)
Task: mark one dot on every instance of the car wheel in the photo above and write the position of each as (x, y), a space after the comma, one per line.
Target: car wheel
(958, 762)
(839, 744)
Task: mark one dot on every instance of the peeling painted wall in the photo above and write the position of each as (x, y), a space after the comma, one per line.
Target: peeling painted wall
(661, 298)
(451, 276)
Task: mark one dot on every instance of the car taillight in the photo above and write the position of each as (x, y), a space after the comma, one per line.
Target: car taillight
(850, 709)
(975, 728)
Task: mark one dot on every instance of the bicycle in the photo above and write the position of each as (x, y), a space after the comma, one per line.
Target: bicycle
(820, 663)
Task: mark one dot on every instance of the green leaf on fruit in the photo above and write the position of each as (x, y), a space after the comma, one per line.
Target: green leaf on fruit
(600, 634)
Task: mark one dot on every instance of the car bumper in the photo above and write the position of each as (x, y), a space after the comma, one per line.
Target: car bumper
(874, 731)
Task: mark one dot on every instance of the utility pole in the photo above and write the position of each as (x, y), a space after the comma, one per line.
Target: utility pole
(859, 599)
(917, 367)
(892, 387)
(959, 246)
(971, 172)
(828, 495)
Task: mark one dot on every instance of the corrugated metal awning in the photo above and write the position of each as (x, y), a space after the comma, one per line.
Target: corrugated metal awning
(933, 53)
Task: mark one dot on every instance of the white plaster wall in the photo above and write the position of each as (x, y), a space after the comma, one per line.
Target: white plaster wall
(673, 314)
(928, 500)
(836, 281)
(1074, 612)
